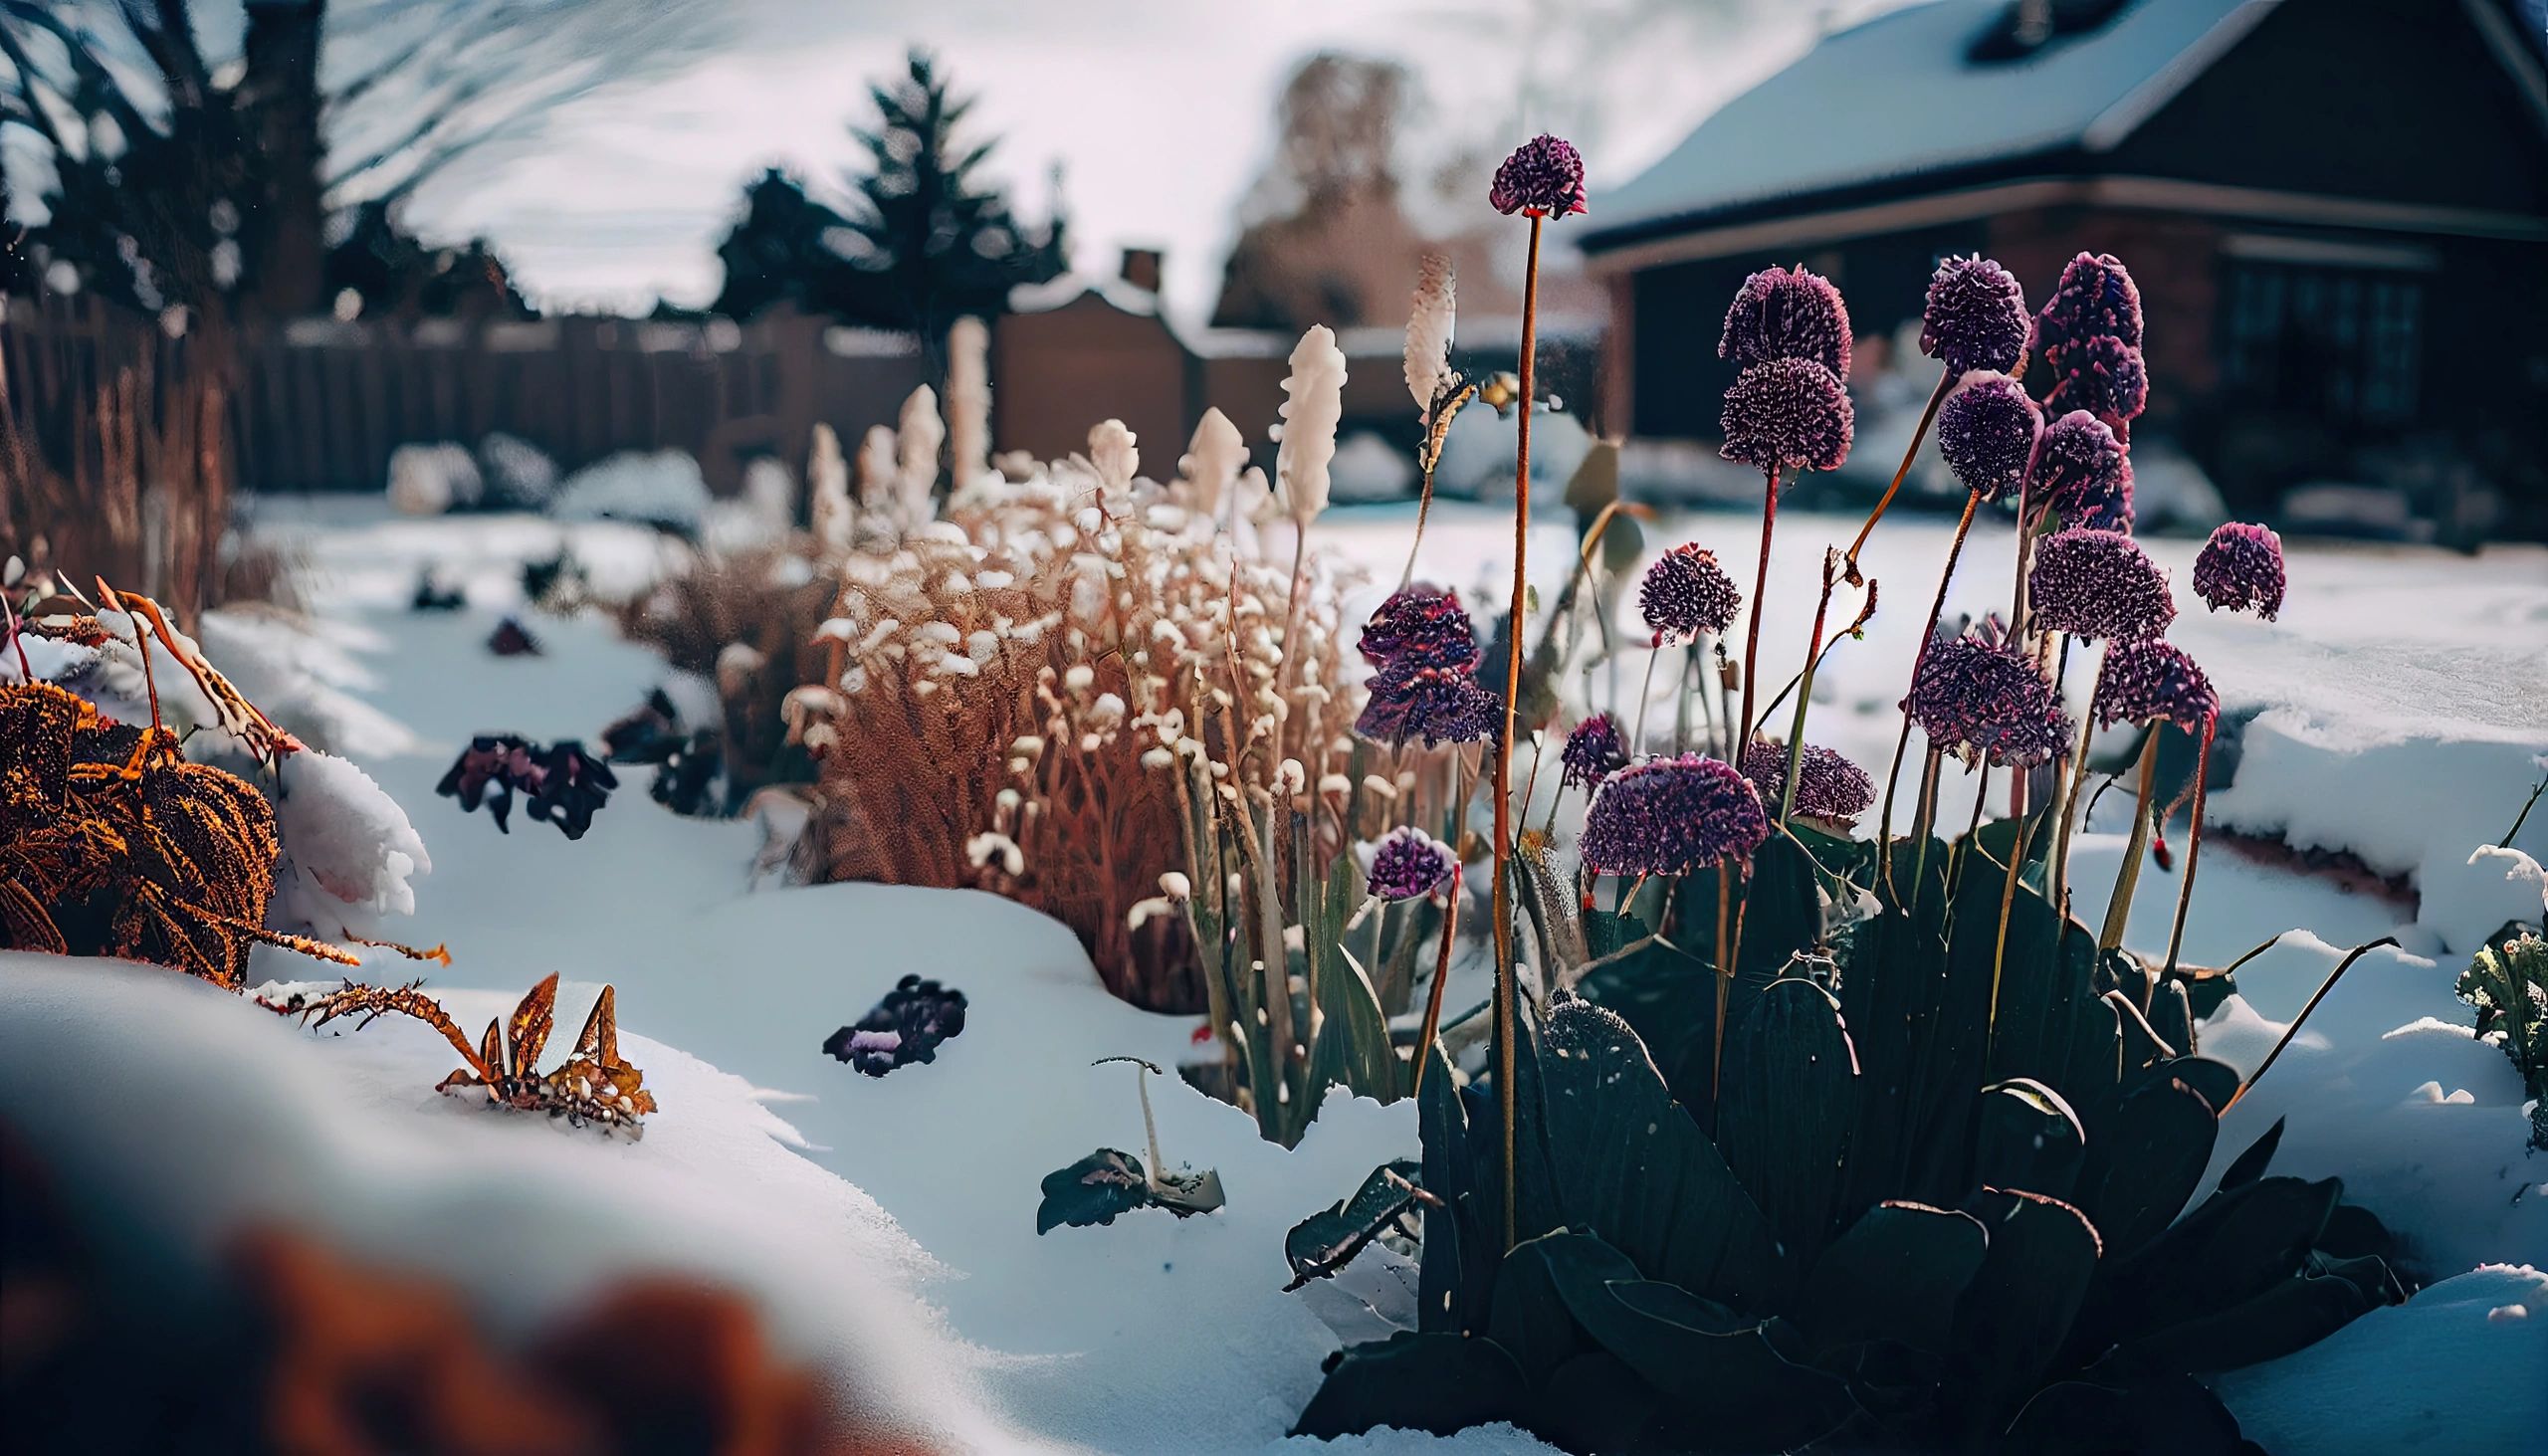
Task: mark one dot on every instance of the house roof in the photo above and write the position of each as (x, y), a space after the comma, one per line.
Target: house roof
(1902, 97)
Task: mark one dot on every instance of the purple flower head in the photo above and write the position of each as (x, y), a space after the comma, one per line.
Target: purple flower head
(1788, 414)
(1544, 175)
(1438, 705)
(2095, 297)
(2082, 475)
(2154, 681)
(1976, 317)
(1984, 701)
(2100, 584)
(1987, 430)
(1787, 314)
(1424, 626)
(1593, 751)
(1409, 864)
(1669, 816)
(2105, 376)
(1827, 786)
(1687, 594)
(2241, 568)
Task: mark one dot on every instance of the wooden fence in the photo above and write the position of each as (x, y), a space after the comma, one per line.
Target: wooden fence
(319, 405)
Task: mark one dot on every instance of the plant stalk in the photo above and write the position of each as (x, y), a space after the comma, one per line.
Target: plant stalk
(1902, 744)
(1804, 694)
(1425, 1038)
(2119, 907)
(1911, 452)
(2288, 1032)
(2194, 847)
(1502, 894)
(1752, 628)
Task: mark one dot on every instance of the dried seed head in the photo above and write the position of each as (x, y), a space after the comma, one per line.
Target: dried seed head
(1787, 314)
(2096, 296)
(1686, 594)
(1976, 317)
(2082, 474)
(2154, 681)
(2099, 584)
(2240, 568)
(1544, 176)
(1984, 701)
(1827, 786)
(1987, 429)
(1593, 751)
(1786, 414)
(1669, 816)
(1409, 864)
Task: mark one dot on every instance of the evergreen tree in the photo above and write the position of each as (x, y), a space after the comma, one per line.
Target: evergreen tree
(778, 251)
(928, 241)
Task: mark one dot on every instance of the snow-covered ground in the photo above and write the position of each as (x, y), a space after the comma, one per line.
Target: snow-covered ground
(2395, 712)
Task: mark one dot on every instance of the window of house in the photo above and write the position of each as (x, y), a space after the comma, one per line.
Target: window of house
(2340, 343)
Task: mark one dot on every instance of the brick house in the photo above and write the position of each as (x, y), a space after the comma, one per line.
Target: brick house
(2337, 209)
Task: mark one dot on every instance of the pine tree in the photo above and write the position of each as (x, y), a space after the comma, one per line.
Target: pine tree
(929, 241)
(778, 251)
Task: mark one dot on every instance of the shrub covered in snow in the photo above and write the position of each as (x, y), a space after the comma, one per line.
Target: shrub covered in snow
(663, 489)
(429, 480)
(518, 475)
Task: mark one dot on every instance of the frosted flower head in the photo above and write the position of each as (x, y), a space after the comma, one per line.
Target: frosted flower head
(1987, 429)
(2095, 298)
(1687, 594)
(1592, 752)
(1409, 863)
(1544, 176)
(1984, 701)
(2106, 377)
(2099, 584)
(1787, 314)
(1421, 626)
(1827, 786)
(2241, 568)
(1669, 816)
(2082, 475)
(1788, 414)
(1976, 317)
(1410, 700)
(2154, 681)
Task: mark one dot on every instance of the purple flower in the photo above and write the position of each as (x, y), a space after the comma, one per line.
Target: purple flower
(2099, 584)
(1438, 705)
(2095, 297)
(1984, 701)
(2105, 376)
(1787, 314)
(1827, 786)
(1976, 317)
(1593, 751)
(2241, 568)
(1543, 176)
(1687, 594)
(2082, 475)
(2153, 682)
(1669, 816)
(1409, 863)
(1788, 414)
(1424, 626)
(1987, 430)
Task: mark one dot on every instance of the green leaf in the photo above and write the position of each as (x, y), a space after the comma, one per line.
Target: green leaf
(1095, 1190)
(2018, 1308)
(1455, 1269)
(2287, 1316)
(2026, 1138)
(1353, 1044)
(2249, 1165)
(1790, 1097)
(1634, 1166)
(1895, 1274)
(1419, 1381)
(2236, 1246)
(1323, 1243)
(2108, 1411)
(2146, 1161)
(1530, 1318)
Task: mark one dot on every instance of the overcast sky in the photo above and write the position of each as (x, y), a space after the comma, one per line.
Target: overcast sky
(1160, 111)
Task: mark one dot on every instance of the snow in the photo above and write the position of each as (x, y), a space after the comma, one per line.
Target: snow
(890, 1221)
(664, 487)
(2466, 905)
(349, 849)
(2455, 1369)
(429, 480)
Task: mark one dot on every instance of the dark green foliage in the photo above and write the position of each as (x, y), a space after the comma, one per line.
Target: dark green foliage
(2507, 982)
(1923, 1217)
(1323, 1243)
(1110, 1183)
(775, 253)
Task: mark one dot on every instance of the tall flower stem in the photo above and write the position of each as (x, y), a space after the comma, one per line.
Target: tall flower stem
(1923, 815)
(2194, 846)
(1751, 629)
(1911, 452)
(1424, 507)
(1724, 977)
(2008, 902)
(1645, 698)
(2068, 806)
(2288, 1032)
(2119, 907)
(1902, 744)
(1503, 890)
(1804, 688)
(1441, 977)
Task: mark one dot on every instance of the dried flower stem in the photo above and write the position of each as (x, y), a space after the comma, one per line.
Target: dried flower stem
(1425, 1038)
(2194, 846)
(2288, 1032)
(1901, 745)
(2008, 902)
(1760, 589)
(1724, 978)
(1911, 452)
(2068, 806)
(2119, 907)
(1804, 688)
(1501, 896)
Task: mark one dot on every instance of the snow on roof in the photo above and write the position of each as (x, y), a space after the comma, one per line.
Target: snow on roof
(1903, 94)
(1070, 288)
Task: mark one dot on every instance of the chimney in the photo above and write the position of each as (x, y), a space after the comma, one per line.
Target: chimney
(1142, 268)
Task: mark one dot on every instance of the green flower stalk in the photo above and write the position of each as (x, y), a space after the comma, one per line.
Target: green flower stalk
(1543, 178)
